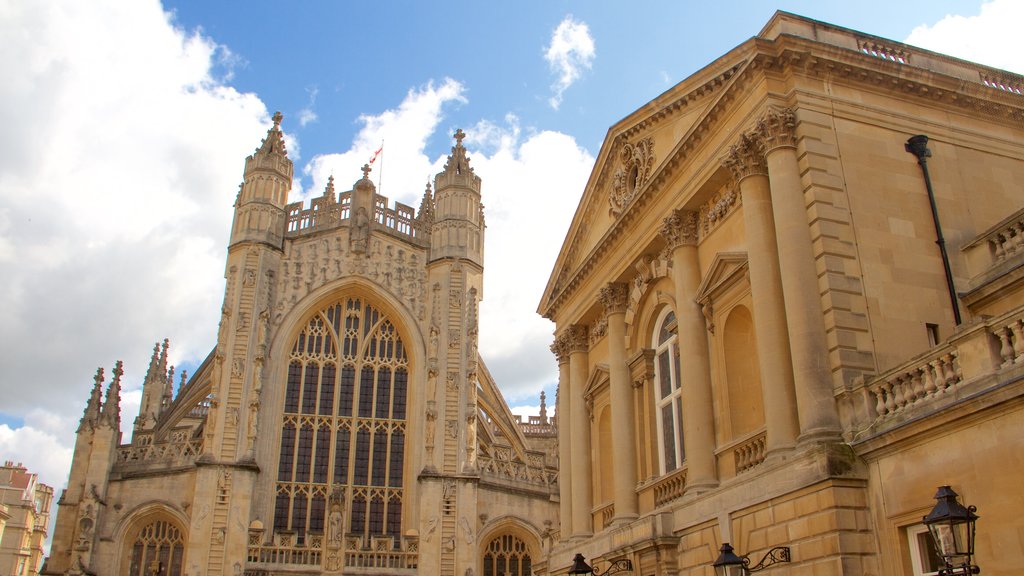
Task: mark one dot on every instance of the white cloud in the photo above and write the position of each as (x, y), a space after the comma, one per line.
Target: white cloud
(531, 187)
(570, 53)
(990, 37)
(403, 167)
(307, 115)
(120, 163)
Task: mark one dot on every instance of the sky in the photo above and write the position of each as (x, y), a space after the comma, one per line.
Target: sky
(128, 122)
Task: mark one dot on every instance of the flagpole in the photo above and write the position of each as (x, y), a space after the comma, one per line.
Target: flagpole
(380, 173)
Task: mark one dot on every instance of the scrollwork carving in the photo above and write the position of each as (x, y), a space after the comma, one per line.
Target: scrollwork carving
(637, 165)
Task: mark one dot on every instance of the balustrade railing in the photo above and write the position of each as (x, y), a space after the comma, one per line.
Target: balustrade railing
(159, 454)
(325, 213)
(749, 454)
(670, 487)
(310, 551)
(969, 361)
(933, 375)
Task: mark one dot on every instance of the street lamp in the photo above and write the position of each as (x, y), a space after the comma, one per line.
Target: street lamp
(580, 566)
(729, 564)
(952, 528)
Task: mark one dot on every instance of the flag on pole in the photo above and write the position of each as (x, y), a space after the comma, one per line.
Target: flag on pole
(377, 153)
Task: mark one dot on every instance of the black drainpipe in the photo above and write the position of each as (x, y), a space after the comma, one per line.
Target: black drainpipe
(918, 146)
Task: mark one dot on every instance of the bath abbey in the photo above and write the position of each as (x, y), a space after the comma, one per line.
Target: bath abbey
(789, 308)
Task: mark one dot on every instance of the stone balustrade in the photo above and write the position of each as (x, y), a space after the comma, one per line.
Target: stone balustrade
(606, 513)
(750, 453)
(160, 455)
(669, 487)
(287, 550)
(935, 374)
(997, 245)
(324, 213)
(969, 362)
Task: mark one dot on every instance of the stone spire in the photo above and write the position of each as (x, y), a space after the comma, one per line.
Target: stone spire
(543, 408)
(92, 407)
(457, 230)
(273, 144)
(266, 182)
(112, 404)
(425, 216)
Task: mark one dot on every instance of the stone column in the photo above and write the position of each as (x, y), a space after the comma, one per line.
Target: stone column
(579, 418)
(562, 420)
(812, 378)
(680, 232)
(746, 162)
(614, 298)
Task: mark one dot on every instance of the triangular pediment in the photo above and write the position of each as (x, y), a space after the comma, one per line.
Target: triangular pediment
(726, 269)
(639, 150)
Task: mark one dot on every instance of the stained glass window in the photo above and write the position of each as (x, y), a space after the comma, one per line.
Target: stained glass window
(344, 423)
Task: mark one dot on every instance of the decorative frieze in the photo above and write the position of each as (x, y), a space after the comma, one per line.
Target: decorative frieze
(716, 209)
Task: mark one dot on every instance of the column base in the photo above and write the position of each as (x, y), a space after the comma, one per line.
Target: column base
(623, 520)
(700, 487)
(818, 436)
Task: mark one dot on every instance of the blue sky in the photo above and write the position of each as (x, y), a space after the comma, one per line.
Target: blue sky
(343, 59)
(127, 124)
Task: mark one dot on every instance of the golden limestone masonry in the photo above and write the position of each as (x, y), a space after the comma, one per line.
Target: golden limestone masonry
(789, 306)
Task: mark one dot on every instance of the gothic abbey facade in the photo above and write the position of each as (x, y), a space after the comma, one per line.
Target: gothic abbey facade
(343, 422)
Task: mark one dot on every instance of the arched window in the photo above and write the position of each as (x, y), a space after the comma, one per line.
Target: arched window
(507, 556)
(344, 423)
(668, 392)
(158, 551)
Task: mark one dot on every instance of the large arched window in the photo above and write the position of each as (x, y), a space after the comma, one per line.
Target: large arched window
(507, 556)
(158, 550)
(344, 424)
(668, 392)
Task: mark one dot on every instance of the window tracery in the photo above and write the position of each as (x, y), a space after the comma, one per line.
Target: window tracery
(344, 423)
(507, 555)
(158, 550)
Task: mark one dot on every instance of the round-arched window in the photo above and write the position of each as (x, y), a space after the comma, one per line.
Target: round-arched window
(668, 391)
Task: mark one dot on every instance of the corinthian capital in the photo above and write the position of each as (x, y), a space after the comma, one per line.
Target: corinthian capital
(680, 229)
(577, 338)
(746, 158)
(778, 128)
(560, 348)
(614, 297)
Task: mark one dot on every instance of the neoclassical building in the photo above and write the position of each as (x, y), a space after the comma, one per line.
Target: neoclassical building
(344, 423)
(769, 335)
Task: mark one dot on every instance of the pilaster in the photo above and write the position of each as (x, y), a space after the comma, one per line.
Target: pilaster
(560, 348)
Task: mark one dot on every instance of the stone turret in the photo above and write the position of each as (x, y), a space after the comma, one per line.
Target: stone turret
(153, 389)
(458, 221)
(259, 210)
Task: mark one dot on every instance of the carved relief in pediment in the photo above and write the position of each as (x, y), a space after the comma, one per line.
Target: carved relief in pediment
(636, 163)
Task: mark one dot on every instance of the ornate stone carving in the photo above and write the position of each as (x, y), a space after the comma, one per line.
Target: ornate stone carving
(637, 164)
(577, 338)
(560, 348)
(777, 128)
(614, 297)
(746, 158)
(717, 208)
(680, 229)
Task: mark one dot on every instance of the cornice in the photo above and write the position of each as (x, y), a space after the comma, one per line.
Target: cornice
(994, 96)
